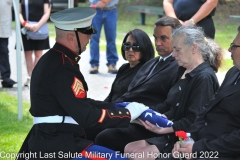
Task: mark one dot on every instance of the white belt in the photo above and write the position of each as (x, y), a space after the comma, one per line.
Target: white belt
(54, 119)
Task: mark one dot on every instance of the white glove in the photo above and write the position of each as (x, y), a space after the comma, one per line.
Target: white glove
(136, 122)
(136, 109)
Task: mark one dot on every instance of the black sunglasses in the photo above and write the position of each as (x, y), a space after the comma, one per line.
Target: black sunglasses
(232, 46)
(127, 46)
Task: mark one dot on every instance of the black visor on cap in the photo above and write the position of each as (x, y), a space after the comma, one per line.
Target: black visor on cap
(87, 30)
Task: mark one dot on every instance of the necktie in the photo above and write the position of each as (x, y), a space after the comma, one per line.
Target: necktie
(159, 64)
(155, 67)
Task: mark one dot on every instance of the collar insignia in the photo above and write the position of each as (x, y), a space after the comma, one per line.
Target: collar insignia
(78, 89)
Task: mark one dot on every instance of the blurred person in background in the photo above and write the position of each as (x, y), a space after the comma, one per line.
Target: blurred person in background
(37, 11)
(5, 33)
(107, 16)
(190, 12)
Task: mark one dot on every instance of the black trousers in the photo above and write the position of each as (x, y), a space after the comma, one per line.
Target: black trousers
(4, 59)
(117, 138)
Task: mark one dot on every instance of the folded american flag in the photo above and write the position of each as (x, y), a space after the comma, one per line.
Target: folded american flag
(150, 115)
(155, 118)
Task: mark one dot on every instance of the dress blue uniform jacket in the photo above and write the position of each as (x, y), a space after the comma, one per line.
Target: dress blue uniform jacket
(59, 88)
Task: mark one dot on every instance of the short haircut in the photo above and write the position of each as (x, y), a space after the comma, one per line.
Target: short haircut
(168, 21)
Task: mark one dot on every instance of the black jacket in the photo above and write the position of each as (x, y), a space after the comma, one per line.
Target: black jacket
(185, 101)
(187, 96)
(153, 89)
(217, 128)
(123, 78)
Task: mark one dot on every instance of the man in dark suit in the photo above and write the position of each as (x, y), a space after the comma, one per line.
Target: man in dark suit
(150, 86)
(216, 130)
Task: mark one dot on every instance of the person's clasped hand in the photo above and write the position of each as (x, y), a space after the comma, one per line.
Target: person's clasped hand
(136, 109)
(153, 128)
(183, 148)
(32, 27)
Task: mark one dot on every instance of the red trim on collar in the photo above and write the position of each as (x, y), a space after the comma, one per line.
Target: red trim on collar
(68, 48)
(64, 55)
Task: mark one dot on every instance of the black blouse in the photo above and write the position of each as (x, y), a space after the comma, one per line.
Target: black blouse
(123, 78)
(185, 9)
(35, 9)
(187, 96)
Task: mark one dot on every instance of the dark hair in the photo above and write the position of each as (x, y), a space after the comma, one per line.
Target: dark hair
(168, 21)
(143, 40)
(209, 49)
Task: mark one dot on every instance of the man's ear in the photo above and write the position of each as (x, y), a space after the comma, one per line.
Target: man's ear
(70, 37)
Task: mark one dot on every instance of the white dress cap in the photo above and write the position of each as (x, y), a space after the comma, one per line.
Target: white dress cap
(73, 18)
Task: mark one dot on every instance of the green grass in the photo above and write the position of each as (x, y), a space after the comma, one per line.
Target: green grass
(225, 34)
(12, 131)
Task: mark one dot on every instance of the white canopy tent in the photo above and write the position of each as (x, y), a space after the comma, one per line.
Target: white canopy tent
(18, 52)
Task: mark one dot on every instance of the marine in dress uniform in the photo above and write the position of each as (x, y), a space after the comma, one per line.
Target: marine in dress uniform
(59, 102)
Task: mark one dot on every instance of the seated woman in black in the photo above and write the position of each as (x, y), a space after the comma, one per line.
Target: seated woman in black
(137, 49)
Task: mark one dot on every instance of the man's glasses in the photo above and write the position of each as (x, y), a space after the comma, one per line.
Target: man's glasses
(127, 46)
(232, 46)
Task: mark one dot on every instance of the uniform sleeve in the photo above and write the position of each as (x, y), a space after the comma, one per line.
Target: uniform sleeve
(99, 104)
(202, 91)
(226, 145)
(70, 93)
